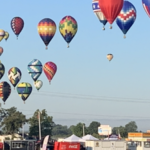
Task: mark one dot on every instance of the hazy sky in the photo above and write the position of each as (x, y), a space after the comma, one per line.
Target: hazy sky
(86, 86)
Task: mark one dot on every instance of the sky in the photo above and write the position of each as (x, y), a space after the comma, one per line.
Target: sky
(87, 87)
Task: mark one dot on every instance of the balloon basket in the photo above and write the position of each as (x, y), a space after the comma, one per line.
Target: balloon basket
(124, 36)
(103, 28)
(110, 27)
(68, 46)
(24, 102)
(4, 103)
(46, 48)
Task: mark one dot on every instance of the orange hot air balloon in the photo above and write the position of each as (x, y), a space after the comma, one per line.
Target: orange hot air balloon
(1, 51)
(50, 69)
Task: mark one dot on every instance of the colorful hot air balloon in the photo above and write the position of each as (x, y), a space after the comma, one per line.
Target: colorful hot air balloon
(127, 17)
(1, 51)
(17, 25)
(50, 69)
(5, 91)
(98, 13)
(2, 70)
(24, 90)
(109, 57)
(6, 35)
(146, 5)
(46, 30)
(2, 34)
(68, 28)
(35, 69)
(111, 9)
(14, 76)
(38, 84)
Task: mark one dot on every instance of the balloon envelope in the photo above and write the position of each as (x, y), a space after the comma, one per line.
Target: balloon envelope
(2, 70)
(111, 9)
(146, 5)
(1, 51)
(35, 69)
(46, 30)
(68, 28)
(109, 57)
(2, 34)
(98, 12)
(17, 25)
(38, 84)
(127, 17)
(24, 90)
(6, 35)
(50, 69)
(14, 75)
(5, 90)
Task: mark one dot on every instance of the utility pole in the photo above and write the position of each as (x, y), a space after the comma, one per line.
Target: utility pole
(39, 125)
(83, 129)
(23, 131)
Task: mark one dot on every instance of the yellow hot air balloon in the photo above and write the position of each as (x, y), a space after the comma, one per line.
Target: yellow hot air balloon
(109, 57)
(6, 35)
(2, 34)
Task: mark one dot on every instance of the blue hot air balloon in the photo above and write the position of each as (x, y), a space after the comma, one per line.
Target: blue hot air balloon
(98, 12)
(127, 17)
(146, 5)
(35, 69)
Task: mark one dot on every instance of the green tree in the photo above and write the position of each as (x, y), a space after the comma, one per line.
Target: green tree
(93, 127)
(12, 120)
(131, 127)
(46, 124)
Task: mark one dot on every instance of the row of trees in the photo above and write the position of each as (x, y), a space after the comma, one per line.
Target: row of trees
(12, 120)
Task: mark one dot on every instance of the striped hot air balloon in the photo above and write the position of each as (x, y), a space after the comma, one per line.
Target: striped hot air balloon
(146, 5)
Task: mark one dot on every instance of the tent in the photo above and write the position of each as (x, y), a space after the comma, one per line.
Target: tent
(89, 137)
(111, 139)
(73, 138)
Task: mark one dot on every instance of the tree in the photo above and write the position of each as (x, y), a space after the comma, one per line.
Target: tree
(59, 130)
(78, 129)
(46, 124)
(131, 127)
(12, 120)
(93, 127)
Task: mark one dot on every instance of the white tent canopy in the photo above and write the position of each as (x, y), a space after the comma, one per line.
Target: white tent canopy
(73, 138)
(111, 139)
(89, 137)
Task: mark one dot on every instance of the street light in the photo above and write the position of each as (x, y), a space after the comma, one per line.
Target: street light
(39, 118)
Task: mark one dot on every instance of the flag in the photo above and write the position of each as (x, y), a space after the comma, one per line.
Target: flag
(45, 142)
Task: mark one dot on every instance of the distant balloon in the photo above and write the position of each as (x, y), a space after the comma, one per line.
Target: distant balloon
(98, 13)
(6, 35)
(111, 9)
(5, 90)
(17, 25)
(38, 84)
(1, 51)
(46, 30)
(14, 75)
(2, 34)
(109, 57)
(146, 5)
(2, 70)
(24, 90)
(68, 28)
(50, 69)
(127, 17)
(35, 69)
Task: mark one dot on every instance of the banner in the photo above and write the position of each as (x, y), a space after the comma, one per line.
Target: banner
(45, 142)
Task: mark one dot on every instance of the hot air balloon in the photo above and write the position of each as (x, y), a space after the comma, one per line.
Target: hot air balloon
(5, 91)
(14, 76)
(2, 70)
(38, 84)
(35, 69)
(127, 17)
(68, 28)
(2, 34)
(98, 13)
(6, 35)
(46, 30)
(1, 51)
(146, 5)
(50, 69)
(109, 57)
(24, 90)
(111, 9)
(17, 25)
